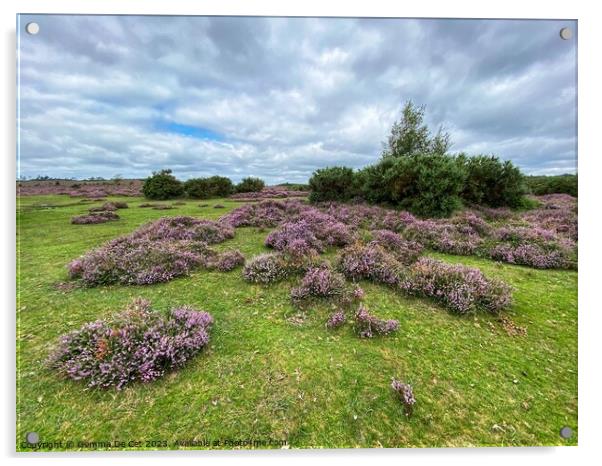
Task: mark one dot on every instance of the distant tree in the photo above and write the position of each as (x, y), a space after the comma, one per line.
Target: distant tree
(410, 135)
(249, 185)
(117, 179)
(162, 185)
(205, 188)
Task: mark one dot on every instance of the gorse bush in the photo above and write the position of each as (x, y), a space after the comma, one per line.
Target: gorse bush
(206, 188)
(428, 185)
(491, 182)
(250, 185)
(139, 344)
(162, 185)
(332, 184)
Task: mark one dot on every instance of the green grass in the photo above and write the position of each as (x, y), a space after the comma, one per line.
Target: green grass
(265, 376)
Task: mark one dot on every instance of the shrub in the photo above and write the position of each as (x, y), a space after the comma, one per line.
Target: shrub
(139, 344)
(310, 232)
(206, 188)
(370, 262)
(263, 214)
(491, 182)
(109, 206)
(229, 260)
(559, 184)
(405, 394)
(94, 217)
(162, 185)
(266, 268)
(461, 289)
(250, 185)
(406, 252)
(428, 185)
(319, 282)
(156, 252)
(336, 319)
(366, 325)
(332, 184)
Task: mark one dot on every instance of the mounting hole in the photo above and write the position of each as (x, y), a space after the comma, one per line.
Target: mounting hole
(32, 437)
(32, 28)
(566, 432)
(566, 33)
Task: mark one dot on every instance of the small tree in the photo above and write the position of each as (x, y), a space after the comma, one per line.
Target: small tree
(250, 184)
(162, 185)
(410, 135)
(205, 188)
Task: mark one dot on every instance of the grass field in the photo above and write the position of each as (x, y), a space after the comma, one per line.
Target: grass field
(267, 376)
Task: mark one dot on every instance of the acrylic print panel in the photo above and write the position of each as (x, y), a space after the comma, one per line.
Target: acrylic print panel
(265, 233)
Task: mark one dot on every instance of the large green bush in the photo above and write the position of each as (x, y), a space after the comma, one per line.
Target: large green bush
(162, 185)
(250, 185)
(332, 184)
(559, 184)
(371, 182)
(428, 185)
(492, 182)
(205, 188)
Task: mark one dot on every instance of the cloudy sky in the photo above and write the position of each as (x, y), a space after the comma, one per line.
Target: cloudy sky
(279, 97)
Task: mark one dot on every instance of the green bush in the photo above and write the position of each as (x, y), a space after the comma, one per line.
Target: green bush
(491, 182)
(371, 182)
(559, 184)
(332, 184)
(250, 185)
(429, 185)
(162, 185)
(205, 188)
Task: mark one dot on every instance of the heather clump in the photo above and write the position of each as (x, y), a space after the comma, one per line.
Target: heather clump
(138, 344)
(459, 288)
(319, 282)
(266, 268)
(310, 232)
(405, 394)
(369, 262)
(367, 325)
(229, 260)
(263, 214)
(337, 319)
(406, 252)
(94, 218)
(156, 252)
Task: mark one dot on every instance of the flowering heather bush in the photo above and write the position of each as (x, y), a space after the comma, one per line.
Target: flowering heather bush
(263, 214)
(185, 228)
(229, 260)
(461, 289)
(440, 235)
(319, 282)
(268, 193)
(266, 268)
(404, 251)
(368, 216)
(406, 395)
(156, 252)
(366, 325)
(532, 255)
(94, 217)
(139, 344)
(162, 206)
(110, 206)
(336, 319)
(370, 262)
(310, 232)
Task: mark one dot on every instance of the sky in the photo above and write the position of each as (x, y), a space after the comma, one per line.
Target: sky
(279, 98)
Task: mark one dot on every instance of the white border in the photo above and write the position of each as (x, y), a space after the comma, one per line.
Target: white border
(590, 150)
